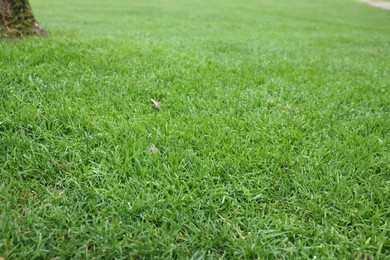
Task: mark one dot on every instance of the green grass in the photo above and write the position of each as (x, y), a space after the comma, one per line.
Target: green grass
(273, 132)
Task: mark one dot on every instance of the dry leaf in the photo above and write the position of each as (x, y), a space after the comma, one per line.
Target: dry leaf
(155, 104)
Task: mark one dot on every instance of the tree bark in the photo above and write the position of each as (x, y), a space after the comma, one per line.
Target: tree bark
(17, 19)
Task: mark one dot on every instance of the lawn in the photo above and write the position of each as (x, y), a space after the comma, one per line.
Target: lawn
(271, 139)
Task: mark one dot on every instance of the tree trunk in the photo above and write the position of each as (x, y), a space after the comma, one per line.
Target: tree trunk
(17, 19)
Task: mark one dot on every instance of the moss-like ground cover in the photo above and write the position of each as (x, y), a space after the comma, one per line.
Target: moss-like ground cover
(271, 141)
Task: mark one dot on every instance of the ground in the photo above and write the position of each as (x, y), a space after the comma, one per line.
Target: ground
(271, 137)
(380, 4)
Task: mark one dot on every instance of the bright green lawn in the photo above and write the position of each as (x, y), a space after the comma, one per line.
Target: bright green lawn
(273, 132)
